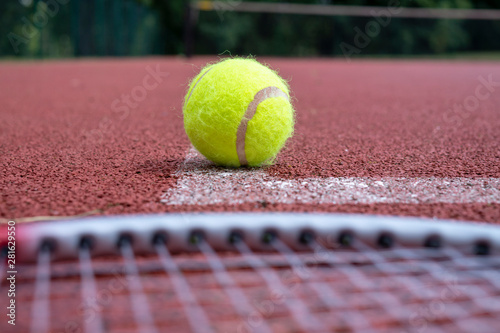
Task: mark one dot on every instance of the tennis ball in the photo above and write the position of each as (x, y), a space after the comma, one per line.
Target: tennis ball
(237, 112)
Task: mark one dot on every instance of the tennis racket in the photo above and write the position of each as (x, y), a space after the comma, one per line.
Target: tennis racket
(256, 273)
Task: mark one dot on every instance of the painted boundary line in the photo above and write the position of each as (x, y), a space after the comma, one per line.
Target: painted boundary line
(202, 184)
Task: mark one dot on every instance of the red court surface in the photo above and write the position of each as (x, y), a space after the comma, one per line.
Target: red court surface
(419, 138)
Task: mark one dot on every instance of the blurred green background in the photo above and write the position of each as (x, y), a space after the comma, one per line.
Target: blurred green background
(69, 28)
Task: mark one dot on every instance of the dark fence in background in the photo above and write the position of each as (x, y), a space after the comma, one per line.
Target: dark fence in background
(294, 28)
(115, 27)
(66, 28)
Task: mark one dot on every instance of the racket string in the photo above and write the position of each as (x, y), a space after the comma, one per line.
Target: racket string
(297, 308)
(400, 275)
(412, 284)
(446, 277)
(468, 285)
(89, 290)
(235, 294)
(482, 298)
(492, 275)
(140, 306)
(196, 316)
(321, 288)
(368, 286)
(40, 310)
(400, 268)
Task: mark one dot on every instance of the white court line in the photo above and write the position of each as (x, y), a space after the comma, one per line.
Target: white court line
(202, 184)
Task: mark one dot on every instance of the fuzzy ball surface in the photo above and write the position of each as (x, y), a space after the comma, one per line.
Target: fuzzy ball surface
(237, 112)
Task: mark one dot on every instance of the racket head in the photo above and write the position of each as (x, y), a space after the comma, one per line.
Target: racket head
(264, 272)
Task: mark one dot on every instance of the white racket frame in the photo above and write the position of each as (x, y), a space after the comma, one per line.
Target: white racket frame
(105, 231)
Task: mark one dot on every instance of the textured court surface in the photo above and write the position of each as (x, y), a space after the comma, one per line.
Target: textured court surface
(417, 138)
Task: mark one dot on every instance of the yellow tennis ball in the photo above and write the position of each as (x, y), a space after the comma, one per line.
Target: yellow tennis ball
(237, 112)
